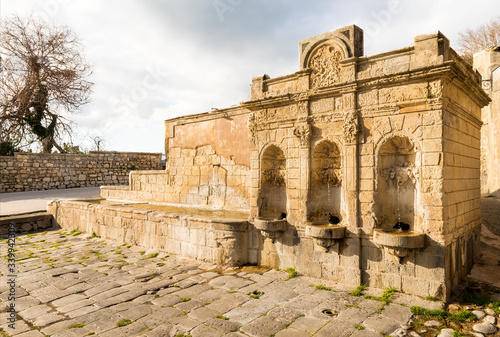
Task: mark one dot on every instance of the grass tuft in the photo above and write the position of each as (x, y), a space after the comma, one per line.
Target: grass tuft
(255, 294)
(291, 273)
(358, 291)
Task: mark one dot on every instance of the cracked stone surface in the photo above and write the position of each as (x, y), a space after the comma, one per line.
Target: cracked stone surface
(71, 285)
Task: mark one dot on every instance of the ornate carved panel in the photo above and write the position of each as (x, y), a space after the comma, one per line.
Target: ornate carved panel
(325, 66)
(322, 105)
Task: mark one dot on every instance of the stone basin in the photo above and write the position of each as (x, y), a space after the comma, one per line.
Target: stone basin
(325, 234)
(270, 224)
(397, 239)
(325, 230)
(270, 227)
(398, 244)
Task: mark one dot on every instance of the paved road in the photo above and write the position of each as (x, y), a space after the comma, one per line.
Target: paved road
(25, 202)
(71, 285)
(487, 268)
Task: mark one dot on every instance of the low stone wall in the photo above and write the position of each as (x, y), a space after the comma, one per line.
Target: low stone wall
(214, 240)
(40, 171)
(26, 223)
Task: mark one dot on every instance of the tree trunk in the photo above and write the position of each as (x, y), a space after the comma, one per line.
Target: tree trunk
(48, 143)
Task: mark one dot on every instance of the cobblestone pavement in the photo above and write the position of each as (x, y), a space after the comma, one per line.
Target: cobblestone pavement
(70, 284)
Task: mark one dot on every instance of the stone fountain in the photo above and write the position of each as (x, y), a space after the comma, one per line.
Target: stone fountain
(316, 169)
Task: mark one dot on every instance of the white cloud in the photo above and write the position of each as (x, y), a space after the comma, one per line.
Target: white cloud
(156, 60)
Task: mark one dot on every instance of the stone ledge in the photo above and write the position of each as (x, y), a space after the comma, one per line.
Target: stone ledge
(26, 222)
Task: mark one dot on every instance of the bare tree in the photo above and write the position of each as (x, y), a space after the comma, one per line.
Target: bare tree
(43, 77)
(99, 143)
(472, 41)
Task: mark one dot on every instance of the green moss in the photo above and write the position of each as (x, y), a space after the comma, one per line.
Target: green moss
(322, 287)
(438, 313)
(76, 325)
(186, 299)
(222, 317)
(124, 322)
(462, 316)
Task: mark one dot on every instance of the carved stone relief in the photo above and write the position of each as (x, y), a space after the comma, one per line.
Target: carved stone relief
(275, 176)
(303, 132)
(351, 126)
(322, 105)
(325, 67)
(436, 89)
(331, 175)
(252, 126)
(401, 173)
(339, 103)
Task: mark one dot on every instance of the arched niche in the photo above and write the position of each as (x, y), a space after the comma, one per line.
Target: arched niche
(272, 195)
(325, 195)
(397, 184)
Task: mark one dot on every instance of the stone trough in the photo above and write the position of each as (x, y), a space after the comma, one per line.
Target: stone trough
(219, 238)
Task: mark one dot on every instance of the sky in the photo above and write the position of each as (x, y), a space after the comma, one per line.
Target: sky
(155, 60)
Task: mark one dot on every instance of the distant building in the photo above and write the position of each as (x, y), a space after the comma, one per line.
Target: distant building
(487, 63)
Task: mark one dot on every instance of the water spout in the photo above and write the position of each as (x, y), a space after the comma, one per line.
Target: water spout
(334, 220)
(399, 211)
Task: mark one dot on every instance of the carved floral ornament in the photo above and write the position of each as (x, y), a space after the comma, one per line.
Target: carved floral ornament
(325, 66)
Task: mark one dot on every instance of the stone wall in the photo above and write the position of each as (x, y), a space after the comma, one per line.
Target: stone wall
(195, 177)
(39, 171)
(207, 166)
(26, 223)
